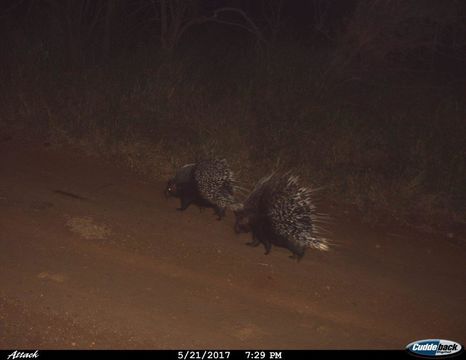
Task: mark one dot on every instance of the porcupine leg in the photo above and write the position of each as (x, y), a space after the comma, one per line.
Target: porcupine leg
(185, 202)
(255, 241)
(296, 256)
(268, 246)
(264, 236)
(220, 212)
(298, 253)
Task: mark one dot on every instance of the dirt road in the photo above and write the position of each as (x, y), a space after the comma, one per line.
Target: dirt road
(94, 256)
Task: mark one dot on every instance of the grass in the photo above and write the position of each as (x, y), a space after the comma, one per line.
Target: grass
(389, 145)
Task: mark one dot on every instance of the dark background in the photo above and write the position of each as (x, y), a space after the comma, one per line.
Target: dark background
(365, 98)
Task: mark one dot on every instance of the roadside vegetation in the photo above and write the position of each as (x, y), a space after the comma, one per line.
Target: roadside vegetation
(370, 105)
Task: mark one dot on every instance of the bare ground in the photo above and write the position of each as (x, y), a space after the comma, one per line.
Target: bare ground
(94, 256)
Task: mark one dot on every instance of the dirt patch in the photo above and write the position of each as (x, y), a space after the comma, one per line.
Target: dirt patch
(87, 228)
(154, 277)
(59, 278)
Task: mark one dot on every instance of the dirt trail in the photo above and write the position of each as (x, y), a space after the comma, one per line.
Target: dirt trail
(93, 256)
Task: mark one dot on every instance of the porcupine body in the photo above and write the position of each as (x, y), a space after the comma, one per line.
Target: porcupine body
(207, 183)
(280, 212)
(182, 187)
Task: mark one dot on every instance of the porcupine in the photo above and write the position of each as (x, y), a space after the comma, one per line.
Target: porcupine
(207, 183)
(280, 212)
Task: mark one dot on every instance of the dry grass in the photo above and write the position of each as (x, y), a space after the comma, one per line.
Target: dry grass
(87, 228)
(391, 146)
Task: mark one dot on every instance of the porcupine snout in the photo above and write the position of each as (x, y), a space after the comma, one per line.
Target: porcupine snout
(170, 188)
(242, 222)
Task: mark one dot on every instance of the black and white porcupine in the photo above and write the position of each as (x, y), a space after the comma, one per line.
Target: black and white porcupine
(280, 212)
(207, 183)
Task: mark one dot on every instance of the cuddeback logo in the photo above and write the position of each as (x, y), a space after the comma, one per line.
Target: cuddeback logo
(434, 347)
